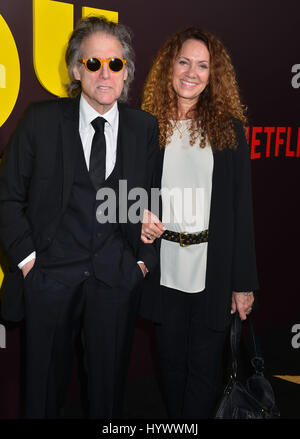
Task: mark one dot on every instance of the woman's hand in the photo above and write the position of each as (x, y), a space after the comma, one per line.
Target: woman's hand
(243, 303)
(151, 228)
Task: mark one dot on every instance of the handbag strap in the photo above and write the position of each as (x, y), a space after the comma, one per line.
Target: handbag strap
(257, 360)
(235, 336)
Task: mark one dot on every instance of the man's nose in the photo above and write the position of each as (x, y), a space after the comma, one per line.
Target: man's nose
(104, 71)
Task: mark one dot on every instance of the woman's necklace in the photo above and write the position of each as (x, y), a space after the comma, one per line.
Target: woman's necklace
(182, 131)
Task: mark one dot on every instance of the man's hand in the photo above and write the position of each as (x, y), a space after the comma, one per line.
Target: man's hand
(143, 268)
(27, 267)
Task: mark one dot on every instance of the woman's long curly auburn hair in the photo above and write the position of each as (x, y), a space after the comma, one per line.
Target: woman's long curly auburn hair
(217, 104)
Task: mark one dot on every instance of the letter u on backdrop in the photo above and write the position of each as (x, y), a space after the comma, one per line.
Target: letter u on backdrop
(52, 26)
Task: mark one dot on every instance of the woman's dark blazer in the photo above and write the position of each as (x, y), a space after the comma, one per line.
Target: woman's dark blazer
(231, 262)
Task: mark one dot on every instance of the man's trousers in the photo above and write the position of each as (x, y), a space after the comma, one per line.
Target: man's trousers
(54, 315)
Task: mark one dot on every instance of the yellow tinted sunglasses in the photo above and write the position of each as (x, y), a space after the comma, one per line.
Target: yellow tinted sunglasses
(94, 64)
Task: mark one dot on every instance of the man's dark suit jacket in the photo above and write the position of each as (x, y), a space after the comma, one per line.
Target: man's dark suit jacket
(36, 178)
(231, 261)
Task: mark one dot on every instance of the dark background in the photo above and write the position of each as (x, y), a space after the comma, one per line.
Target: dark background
(263, 40)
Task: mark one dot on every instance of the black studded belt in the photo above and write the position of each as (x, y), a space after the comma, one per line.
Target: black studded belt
(185, 239)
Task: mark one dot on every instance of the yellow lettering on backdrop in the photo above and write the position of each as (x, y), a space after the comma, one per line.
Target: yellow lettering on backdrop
(52, 26)
(9, 72)
(110, 15)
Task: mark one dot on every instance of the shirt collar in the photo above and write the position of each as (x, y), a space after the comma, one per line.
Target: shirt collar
(87, 114)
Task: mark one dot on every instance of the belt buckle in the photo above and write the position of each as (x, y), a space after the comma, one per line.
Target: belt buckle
(180, 239)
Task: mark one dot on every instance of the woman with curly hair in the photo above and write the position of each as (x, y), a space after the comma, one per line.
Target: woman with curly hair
(207, 258)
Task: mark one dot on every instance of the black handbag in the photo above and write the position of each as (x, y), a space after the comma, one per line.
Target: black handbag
(255, 399)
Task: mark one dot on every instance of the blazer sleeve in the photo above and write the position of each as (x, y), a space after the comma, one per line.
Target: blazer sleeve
(15, 174)
(244, 276)
(148, 252)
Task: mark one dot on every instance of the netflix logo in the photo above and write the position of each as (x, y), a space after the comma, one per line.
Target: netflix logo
(266, 142)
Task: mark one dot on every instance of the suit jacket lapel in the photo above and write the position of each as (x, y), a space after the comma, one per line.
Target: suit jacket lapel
(70, 142)
(127, 146)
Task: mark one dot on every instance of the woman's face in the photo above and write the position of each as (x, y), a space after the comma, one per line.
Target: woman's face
(191, 72)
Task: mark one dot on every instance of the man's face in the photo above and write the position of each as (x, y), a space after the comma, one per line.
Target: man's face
(101, 89)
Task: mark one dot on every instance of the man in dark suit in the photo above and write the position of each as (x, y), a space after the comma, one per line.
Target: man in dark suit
(76, 273)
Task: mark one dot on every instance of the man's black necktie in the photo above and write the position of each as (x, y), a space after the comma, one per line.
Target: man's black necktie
(98, 153)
